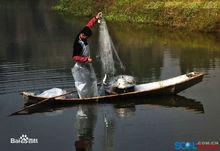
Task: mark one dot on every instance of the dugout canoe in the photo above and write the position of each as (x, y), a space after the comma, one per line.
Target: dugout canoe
(172, 101)
(170, 86)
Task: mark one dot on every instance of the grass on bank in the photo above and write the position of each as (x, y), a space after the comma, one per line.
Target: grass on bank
(194, 15)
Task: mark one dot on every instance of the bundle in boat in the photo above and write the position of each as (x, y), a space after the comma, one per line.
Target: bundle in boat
(122, 84)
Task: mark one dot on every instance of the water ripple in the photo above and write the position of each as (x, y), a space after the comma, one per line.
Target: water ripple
(16, 77)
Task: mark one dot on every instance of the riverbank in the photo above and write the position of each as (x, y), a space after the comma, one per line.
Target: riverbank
(196, 15)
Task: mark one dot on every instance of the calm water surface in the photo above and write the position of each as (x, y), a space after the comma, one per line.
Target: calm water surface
(35, 54)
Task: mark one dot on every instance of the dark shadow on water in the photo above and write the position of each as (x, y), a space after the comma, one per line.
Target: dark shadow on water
(176, 101)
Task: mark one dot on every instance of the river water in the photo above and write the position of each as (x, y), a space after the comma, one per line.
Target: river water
(35, 54)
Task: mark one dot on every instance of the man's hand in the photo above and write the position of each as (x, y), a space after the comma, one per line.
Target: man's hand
(89, 60)
(99, 15)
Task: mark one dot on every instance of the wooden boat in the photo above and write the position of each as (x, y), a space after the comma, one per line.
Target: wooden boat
(170, 86)
(172, 101)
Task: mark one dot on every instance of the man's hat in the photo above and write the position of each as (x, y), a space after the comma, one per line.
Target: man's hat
(87, 31)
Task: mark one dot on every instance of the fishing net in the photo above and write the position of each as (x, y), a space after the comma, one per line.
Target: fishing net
(122, 84)
(122, 81)
(107, 51)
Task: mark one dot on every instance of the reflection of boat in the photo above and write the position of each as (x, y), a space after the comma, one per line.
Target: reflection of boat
(129, 105)
(171, 101)
(165, 87)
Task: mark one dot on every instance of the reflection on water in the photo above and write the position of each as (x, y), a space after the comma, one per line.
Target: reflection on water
(146, 50)
(85, 125)
(32, 41)
(35, 54)
(86, 116)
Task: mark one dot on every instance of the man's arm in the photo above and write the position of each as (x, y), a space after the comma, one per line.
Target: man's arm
(77, 53)
(80, 58)
(92, 22)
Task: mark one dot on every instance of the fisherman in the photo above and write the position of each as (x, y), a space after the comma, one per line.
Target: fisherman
(83, 72)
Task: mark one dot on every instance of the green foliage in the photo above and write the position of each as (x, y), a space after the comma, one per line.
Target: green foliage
(62, 6)
(74, 7)
(194, 15)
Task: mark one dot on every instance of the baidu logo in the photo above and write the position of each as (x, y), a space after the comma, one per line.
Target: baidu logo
(23, 139)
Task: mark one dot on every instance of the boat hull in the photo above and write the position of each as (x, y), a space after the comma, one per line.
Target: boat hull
(166, 87)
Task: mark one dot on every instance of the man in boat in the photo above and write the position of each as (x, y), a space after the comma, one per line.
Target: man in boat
(83, 72)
